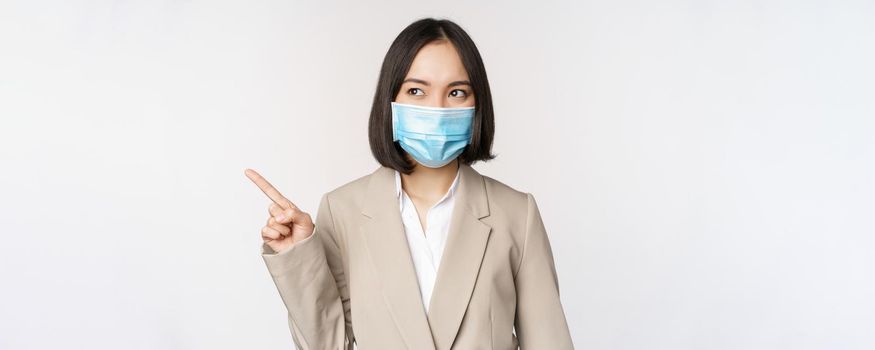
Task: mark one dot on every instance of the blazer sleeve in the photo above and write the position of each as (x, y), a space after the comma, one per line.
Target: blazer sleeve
(311, 282)
(540, 321)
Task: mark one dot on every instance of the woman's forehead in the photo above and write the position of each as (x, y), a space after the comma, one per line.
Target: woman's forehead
(438, 62)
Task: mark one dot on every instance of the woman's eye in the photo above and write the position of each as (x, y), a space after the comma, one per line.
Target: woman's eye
(413, 91)
(458, 93)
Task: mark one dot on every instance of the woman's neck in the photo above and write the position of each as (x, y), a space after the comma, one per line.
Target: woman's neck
(430, 183)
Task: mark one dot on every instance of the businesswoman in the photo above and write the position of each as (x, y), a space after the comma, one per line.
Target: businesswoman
(424, 252)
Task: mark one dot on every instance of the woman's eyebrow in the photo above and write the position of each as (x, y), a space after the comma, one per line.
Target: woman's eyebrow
(423, 82)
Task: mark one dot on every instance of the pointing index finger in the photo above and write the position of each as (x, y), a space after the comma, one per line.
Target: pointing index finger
(268, 189)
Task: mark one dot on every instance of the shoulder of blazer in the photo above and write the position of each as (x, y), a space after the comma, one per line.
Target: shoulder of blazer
(345, 199)
(505, 200)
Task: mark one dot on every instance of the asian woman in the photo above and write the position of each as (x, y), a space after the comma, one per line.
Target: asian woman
(424, 252)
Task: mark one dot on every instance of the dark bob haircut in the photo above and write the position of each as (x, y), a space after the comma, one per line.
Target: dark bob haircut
(397, 63)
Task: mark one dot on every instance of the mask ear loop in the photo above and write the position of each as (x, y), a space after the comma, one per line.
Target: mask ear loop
(471, 139)
(392, 111)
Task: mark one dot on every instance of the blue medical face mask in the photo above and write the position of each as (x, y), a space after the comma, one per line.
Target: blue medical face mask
(433, 136)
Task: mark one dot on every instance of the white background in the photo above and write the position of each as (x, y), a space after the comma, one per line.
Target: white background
(704, 168)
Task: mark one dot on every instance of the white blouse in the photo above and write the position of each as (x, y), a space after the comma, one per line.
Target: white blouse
(426, 247)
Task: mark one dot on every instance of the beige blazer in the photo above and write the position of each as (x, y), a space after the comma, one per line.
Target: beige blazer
(354, 280)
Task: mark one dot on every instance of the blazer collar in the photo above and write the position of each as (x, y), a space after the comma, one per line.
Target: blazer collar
(388, 250)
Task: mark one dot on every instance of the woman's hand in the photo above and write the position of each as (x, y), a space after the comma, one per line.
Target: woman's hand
(286, 224)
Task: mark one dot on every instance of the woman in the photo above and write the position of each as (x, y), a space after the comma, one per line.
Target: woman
(367, 271)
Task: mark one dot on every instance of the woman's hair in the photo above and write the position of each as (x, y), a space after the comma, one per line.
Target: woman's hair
(397, 63)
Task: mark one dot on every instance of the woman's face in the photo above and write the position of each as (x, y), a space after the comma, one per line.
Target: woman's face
(437, 78)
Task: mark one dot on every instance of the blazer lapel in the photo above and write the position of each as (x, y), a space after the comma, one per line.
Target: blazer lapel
(386, 242)
(461, 259)
(387, 247)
